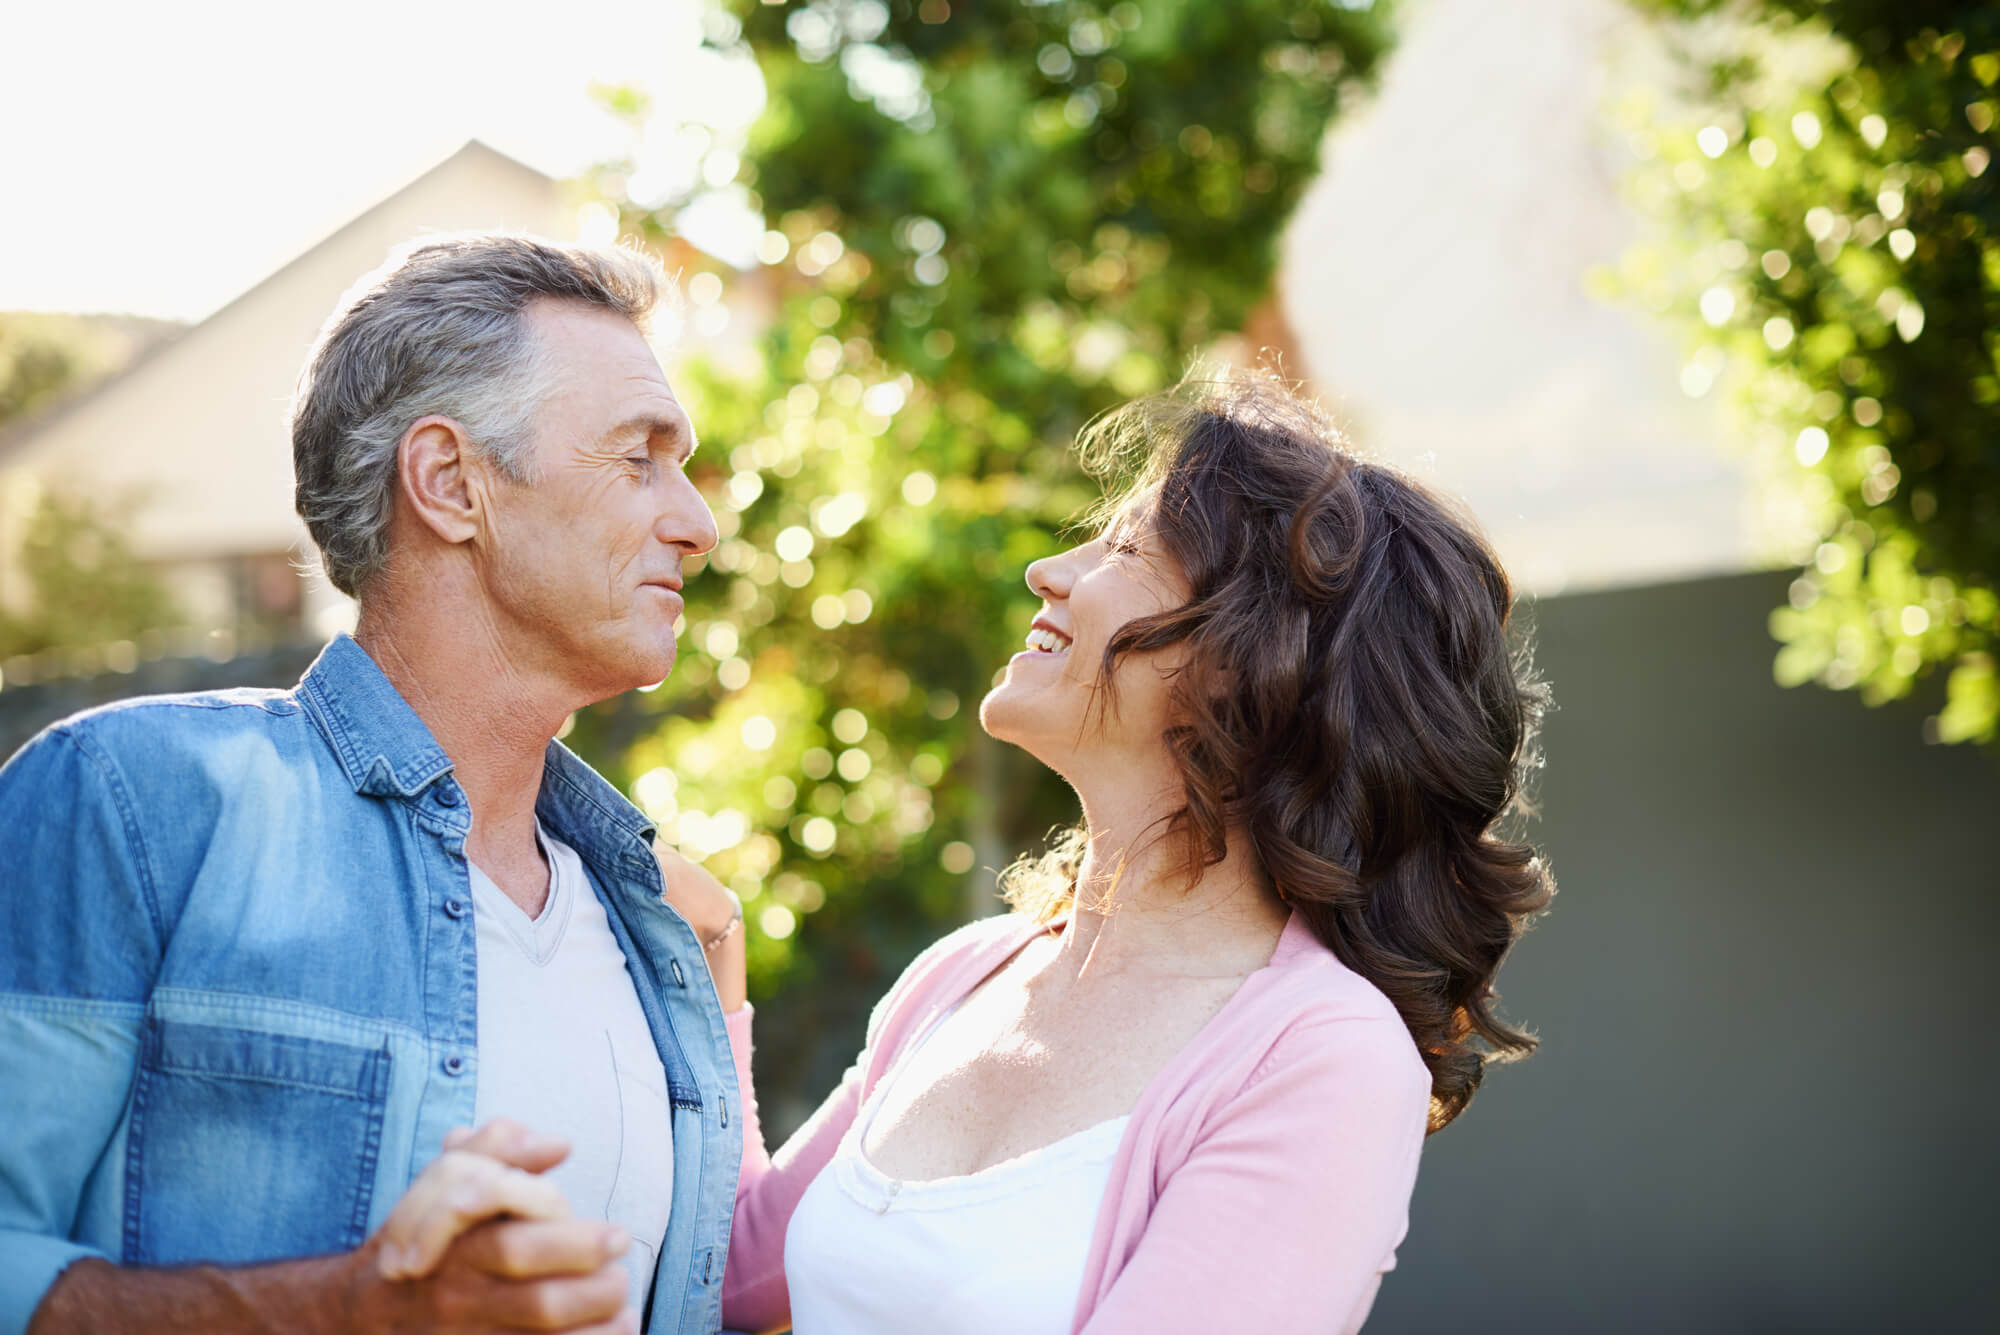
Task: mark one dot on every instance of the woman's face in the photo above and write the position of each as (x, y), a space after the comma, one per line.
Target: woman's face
(1048, 703)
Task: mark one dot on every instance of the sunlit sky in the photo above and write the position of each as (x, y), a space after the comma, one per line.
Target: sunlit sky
(159, 159)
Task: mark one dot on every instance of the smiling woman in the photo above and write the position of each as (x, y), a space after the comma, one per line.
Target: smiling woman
(1184, 1086)
(1341, 635)
(1046, 700)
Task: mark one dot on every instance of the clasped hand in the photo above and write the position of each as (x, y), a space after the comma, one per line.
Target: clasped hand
(482, 1241)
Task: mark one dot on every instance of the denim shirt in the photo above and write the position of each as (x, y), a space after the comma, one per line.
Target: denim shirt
(238, 989)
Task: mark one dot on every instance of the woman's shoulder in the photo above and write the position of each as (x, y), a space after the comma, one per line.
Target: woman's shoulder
(1311, 1007)
(983, 941)
(954, 962)
(1309, 975)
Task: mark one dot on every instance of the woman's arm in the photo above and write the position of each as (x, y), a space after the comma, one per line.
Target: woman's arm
(1285, 1212)
(754, 1295)
(716, 915)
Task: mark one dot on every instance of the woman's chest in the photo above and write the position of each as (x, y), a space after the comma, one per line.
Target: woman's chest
(1006, 1074)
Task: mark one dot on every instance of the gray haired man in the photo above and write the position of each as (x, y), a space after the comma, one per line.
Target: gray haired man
(264, 955)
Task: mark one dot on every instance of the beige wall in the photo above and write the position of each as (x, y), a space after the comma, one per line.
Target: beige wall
(198, 432)
(199, 429)
(1436, 277)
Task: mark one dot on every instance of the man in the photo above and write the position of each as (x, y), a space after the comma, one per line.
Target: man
(262, 952)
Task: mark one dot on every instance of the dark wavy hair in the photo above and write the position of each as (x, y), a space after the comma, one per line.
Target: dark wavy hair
(1350, 700)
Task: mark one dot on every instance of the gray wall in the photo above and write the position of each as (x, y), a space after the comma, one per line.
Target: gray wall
(1766, 1076)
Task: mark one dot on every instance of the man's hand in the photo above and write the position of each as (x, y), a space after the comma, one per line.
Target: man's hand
(481, 1175)
(479, 1243)
(481, 1240)
(510, 1274)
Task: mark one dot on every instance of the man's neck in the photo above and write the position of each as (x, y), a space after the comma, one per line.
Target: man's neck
(493, 721)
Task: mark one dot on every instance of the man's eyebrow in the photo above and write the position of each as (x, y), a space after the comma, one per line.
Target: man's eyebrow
(674, 427)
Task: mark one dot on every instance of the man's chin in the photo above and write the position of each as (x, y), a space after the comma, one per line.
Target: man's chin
(638, 668)
(654, 669)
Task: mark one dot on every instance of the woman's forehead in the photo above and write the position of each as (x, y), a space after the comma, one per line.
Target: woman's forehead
(1132, 511)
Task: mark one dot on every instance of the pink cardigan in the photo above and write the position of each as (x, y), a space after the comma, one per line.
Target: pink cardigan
(1262, 1184)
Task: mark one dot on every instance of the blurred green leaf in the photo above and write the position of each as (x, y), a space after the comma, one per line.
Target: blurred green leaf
(1838, 264)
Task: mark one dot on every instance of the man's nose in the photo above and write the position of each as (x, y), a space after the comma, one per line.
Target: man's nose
(687, 522)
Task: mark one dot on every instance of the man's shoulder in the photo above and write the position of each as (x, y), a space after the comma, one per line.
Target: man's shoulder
(240, 703)
(162, 735)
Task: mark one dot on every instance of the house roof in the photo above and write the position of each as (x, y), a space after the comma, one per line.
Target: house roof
(15, 435)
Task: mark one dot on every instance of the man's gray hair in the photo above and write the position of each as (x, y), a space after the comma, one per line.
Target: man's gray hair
(437, 330)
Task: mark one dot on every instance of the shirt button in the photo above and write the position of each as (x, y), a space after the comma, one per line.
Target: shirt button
(454, 1065)
(456, 908)
(447, 795)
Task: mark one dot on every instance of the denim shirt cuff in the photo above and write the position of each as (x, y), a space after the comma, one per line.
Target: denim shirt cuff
(29, 1264)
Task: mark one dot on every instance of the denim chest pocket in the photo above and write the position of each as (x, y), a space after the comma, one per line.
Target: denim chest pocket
(247, 1146)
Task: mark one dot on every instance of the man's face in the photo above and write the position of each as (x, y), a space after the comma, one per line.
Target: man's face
(582, 564)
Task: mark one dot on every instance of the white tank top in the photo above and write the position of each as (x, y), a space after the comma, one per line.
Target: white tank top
(997, 1252)
(564, 1048)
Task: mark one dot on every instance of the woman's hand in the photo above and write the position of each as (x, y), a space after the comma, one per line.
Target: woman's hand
(715, 914)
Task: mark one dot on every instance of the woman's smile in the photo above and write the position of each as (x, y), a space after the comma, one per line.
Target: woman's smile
(1045, 639)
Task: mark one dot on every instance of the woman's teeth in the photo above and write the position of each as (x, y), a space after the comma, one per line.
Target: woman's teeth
(1045, 641)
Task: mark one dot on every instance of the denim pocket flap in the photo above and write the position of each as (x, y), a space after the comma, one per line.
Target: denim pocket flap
(249, 1146)
(245, 1054)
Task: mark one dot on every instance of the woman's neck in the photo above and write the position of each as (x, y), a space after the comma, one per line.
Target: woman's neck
(1138, 912)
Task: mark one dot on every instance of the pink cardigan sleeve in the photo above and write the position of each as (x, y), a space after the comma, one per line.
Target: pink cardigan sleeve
(1289, 1205)
(754, 1296)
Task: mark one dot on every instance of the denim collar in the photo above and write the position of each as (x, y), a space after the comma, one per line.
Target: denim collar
(387, 751)
(384, 748)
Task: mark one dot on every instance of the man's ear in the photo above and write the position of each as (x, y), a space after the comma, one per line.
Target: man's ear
(439, 474)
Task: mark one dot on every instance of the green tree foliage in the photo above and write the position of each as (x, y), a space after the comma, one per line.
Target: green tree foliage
(36, 364)
(1844, 208)
(988, 222)
(86, 587)
(83, 586)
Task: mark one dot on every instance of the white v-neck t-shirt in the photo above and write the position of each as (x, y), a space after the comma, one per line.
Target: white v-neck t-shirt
(564, 1048)
(996, 1252)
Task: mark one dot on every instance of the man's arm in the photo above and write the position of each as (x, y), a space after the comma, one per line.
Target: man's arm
(541, 1272)
(81, 930)
(504, 1275)
(80, 942)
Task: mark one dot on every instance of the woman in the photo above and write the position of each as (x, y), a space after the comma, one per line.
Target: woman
(1183, 1086)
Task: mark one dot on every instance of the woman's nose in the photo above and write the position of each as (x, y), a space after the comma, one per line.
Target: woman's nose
(1048, 578)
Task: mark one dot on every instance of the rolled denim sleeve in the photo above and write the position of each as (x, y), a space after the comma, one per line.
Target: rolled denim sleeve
(79, 945)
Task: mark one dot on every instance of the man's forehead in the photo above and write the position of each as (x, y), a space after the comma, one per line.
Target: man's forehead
(593, 343)
(602, 367)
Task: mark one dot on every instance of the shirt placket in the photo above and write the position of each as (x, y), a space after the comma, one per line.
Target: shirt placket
(451, 974)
